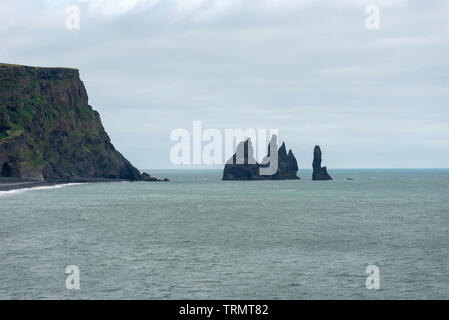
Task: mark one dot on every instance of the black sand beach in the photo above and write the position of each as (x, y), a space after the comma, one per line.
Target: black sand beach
(8, 184)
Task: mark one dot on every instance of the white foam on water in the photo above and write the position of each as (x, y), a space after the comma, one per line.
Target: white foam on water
(57, 186)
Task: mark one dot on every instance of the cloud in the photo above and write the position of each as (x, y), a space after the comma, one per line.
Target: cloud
(309, 68)
(205, 10)
(119, 7)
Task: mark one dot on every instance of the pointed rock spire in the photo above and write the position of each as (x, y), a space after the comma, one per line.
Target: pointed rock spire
(319, 173)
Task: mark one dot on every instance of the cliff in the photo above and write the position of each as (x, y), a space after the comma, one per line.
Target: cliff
(243, 166)
(49, 131)
(319, 173)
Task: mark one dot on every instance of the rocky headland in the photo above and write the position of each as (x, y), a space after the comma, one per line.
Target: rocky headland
(49, 132)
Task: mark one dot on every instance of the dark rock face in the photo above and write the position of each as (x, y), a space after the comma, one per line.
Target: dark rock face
(48, 131)
(319, 173)
(146, 177)
(243, 166)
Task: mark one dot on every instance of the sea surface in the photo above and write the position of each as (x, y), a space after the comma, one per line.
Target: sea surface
(198, 237)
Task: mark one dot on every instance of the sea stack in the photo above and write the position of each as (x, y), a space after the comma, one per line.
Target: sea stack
(48, 131)
(319, 172)
(243, 166)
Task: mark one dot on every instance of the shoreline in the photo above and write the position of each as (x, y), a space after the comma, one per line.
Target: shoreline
(9, 184)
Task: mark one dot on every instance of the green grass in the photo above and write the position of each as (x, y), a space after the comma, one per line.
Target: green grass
(8, 84)
(16, 130)
(34, 161)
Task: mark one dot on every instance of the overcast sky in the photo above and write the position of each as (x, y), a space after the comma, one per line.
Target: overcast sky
(311, 69)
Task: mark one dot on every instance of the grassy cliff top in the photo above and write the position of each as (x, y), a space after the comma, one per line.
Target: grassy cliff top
(8, 65)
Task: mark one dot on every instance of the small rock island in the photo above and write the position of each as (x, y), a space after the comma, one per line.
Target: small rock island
(243, 166)
(49, 132)
(319, 172)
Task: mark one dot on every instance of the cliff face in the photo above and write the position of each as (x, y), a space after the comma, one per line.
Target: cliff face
(319, 173)
(243, 166)
(48, 130)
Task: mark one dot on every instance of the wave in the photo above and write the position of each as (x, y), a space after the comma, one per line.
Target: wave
(56, 186)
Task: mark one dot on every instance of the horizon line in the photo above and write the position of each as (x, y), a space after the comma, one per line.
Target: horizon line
(366, 168)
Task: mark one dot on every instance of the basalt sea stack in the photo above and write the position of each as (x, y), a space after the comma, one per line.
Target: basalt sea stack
(319, 172)
(48, 131)
(243, 165)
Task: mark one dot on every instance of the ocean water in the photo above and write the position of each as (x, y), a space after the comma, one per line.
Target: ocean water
(197, 237)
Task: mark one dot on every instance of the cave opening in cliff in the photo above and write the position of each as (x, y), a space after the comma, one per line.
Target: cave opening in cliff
(6, 170)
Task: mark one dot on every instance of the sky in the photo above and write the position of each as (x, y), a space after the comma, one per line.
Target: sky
(371, 98)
